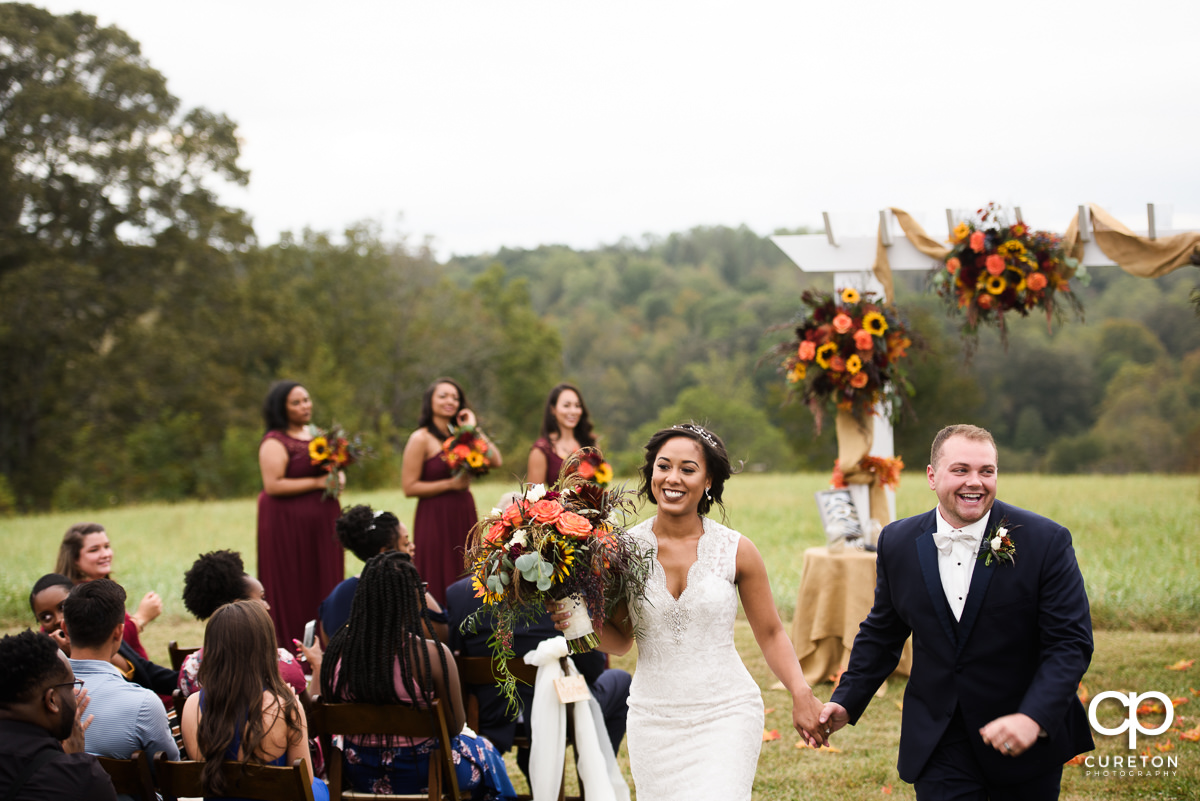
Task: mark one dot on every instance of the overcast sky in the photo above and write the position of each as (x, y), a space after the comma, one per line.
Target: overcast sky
(501, 123)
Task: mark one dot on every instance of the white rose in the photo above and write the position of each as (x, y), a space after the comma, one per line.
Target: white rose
(1000, 532)
(535, 492)
(518, 538)
(997, 542)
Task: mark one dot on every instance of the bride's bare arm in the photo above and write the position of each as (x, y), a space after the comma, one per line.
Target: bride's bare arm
(754, 587)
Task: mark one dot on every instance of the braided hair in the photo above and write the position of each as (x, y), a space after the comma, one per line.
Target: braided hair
(385, 628)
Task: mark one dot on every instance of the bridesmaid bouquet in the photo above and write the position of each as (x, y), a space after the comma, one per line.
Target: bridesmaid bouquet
(333, 450)
(592, 467)
(465, 450)
(567, 543)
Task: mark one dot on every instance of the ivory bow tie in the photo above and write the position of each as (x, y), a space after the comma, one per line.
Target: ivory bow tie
(945, 541)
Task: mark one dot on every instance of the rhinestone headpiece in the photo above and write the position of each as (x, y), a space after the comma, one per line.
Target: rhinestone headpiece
(695, 429)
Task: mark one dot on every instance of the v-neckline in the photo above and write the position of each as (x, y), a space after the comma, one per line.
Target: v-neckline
(687, 578)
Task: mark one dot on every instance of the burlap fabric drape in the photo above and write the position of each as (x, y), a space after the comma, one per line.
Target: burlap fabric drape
(854, 440)
(919, 239)
(1136, 255)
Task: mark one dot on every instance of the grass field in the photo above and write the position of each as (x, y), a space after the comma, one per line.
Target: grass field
(1135, 536)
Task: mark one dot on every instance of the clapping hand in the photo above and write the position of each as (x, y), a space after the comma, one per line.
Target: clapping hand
(74, 743)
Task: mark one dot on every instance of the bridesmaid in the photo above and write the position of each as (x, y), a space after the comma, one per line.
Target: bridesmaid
(445, 509)
(566, 427)
(299, 556)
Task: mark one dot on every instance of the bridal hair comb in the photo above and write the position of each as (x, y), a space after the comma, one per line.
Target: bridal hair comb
(695, 429)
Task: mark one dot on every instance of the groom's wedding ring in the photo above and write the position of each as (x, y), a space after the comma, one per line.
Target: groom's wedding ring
(1007, 747)
(828, 730)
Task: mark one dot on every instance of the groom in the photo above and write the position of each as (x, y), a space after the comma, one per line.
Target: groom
(998, 648)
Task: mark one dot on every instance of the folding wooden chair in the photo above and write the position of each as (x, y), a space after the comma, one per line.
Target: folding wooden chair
(328, 719)
(261, 782)
(177, 702)
(178, 654)
(477, 670)
(131, 776)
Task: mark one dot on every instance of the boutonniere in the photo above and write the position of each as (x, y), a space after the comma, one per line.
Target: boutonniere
(998, 545)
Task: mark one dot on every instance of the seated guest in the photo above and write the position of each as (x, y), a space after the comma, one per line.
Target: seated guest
(366, 533)
(610, 688)
(128, 717)
(244, 711)
(220, 578)
(46, 601)
(382, 656)
(41, 726)
(86, 555)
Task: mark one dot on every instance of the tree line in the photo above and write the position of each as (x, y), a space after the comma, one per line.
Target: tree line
(141, 322)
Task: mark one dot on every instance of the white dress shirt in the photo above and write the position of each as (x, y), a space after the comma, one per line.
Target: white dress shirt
(957, 566)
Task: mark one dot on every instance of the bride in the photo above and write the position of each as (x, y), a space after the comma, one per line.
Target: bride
(695, 713)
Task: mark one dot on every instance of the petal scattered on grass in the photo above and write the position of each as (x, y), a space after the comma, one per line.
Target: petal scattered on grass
(770, 734)
(1075, 760)
(1191, 735)
(1182, 664)
(886, 789)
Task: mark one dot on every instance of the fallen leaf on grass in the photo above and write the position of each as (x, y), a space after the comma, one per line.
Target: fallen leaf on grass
(899, 705)
(1182, 664)
(768, 710)
(770, 734)
(1194, 691)
(1191, 735)
(1152, 708)
(779, 685)
(1180, 701)
(1075, 760)
(1166, 746)
(802, 744)
(886, 789)
(1084, 695)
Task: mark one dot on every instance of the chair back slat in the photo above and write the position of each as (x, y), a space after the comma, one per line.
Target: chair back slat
(131, 776)
(260, 782)
(178, 654)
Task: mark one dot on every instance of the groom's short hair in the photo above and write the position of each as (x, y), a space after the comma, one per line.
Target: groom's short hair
(960, 430)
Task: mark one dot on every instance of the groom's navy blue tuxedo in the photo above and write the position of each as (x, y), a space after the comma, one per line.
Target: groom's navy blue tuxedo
(1022, 645)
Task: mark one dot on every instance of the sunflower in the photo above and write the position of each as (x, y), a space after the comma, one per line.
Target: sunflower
(853, 364)
(566, 553)
(825, 353)
(996, 284)
(604, 473)
(875, 322)
(850, 295)
(1011, 247)
(319, 450)
(481, 590)
(961, 231)
(475, 459)
(797, 373)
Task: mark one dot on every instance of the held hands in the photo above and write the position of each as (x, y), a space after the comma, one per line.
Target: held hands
(1011, 735)
(833, 717)
(806, 712)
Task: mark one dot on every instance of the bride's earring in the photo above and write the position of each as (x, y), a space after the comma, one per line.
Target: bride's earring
(707, 495)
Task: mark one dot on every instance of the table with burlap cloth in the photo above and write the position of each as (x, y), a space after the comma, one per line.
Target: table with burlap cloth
(836, 594)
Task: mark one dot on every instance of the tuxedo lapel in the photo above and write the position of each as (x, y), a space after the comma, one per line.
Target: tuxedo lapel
(927, 553)
(981, 577)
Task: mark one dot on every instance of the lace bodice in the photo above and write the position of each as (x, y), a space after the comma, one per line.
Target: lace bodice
(695, 712)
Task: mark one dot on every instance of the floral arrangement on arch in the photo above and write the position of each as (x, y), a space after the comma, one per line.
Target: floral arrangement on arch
(333, 450)
(995, 268)
(466, 450)
(886, 471)
(848, 349)
(566, 543)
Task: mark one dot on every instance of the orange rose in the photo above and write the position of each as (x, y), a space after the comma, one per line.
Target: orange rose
(1036, 281)
(952, 265)
(496, 532)
(807, 351)
(842, 323)
(545, 511)
(837, 364)
(863, 339)
(586, 470)
(977, 241)
(984, 301)
(995, 264)
(461, 451)
(858, 380)
(514, 515)
(574, 525)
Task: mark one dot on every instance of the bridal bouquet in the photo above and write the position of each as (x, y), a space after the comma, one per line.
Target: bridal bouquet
(848, 349)
(566, 543)
(334, 450)
(466, 450)
(995, 268)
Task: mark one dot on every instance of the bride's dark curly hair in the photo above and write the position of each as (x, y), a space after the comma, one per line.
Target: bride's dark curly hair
(716, 462)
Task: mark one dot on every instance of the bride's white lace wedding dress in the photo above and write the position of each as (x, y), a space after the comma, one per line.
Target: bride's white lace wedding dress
(695, 713)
